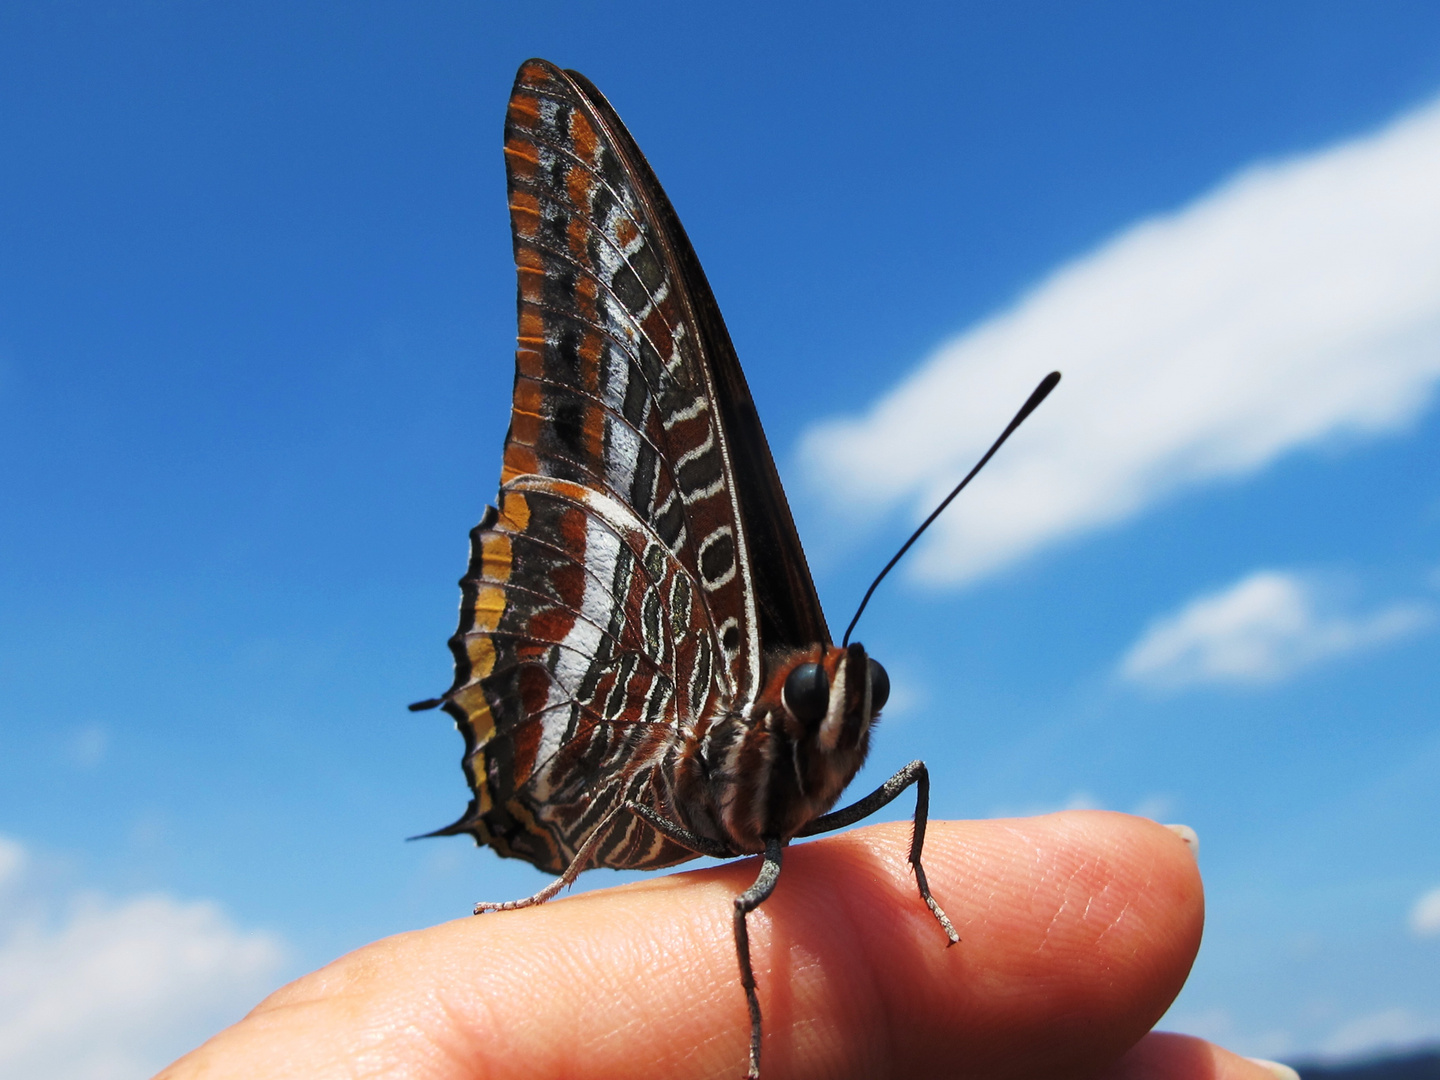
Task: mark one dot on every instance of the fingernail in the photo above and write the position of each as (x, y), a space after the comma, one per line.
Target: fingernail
(1274, 1068)
(1192, 841)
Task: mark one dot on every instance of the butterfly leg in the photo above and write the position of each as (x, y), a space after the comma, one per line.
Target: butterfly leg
(682, 836)
(571, 872)
(745, 903)
(914, 773)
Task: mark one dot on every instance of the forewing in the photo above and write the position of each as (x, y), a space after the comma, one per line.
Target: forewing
(788, 606)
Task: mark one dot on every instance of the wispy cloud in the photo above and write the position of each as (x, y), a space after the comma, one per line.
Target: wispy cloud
(1382, 1031)
(88, 746)
(1076, 800)
(1260, 629)
(1157, 807)
(1425, 915)
(12, 862)
(101, 989)
(1386, 1030)
(1298, 301)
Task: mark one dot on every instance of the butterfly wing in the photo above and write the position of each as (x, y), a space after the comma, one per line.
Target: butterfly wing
(788, 605)
(612, 602)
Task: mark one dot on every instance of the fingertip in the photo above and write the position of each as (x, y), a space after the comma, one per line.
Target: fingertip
(1164, 1055)
(1189, 836)
(1130, 868)
(1278, 1069)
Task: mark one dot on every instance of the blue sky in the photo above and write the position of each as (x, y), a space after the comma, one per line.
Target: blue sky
(256, 341)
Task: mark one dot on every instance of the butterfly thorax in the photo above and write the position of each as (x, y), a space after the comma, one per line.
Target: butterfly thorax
(772, 766)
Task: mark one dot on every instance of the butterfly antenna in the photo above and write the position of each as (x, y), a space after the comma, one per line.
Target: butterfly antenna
(1041, 393)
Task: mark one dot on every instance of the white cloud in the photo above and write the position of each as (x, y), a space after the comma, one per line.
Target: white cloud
(100, 989)
(1390, 1029)
(1296, 302)
(1156, 807)
(1077, 800)
(1260, 629)
(12, 861)
(1387, 1030)
(1425, 915)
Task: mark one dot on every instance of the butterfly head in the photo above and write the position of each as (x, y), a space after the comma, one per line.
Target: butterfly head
(825, 700)
(832, 701)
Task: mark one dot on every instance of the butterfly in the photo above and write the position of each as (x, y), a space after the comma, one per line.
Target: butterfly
(643, 672)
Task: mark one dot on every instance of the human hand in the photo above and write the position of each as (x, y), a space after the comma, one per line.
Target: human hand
(1077, 930)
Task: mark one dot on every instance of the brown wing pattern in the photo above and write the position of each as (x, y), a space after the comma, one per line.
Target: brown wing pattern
(611, 388)
(608, 611)
(585, 650)
(788, 606)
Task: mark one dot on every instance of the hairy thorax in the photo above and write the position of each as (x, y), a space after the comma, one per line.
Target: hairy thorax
(762, 771)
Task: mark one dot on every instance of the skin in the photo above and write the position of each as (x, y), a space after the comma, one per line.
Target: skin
(1077, 930)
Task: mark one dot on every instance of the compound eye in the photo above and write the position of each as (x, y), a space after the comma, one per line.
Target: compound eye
(879, 687)
(807, 693)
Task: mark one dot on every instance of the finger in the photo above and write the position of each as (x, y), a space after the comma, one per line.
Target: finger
(1162, 1056)
(1077, 930)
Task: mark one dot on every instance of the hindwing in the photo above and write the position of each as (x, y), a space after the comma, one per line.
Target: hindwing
(583, 655)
